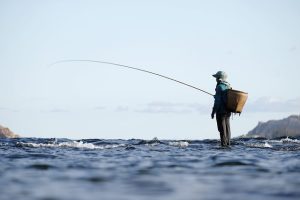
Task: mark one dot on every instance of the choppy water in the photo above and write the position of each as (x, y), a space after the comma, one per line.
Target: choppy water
(50, 169)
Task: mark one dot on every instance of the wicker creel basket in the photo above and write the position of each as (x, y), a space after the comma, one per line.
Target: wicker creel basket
(236, 100)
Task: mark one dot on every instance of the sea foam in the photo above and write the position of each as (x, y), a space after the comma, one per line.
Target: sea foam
(179, 144)
(289, 140)
(70, 144)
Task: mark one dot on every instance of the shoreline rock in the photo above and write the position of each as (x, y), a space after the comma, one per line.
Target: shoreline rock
(287, 127)
(7, 133)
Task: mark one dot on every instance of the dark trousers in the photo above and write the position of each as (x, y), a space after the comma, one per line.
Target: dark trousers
(224, 128)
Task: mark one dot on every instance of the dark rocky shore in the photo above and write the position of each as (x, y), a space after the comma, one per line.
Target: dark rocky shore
(287, 127)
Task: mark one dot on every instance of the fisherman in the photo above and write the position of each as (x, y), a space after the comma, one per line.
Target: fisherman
(222, 114)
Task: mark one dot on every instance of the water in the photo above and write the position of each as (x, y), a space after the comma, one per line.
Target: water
(52, 169)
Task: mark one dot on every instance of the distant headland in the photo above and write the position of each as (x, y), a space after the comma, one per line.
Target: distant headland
(287, 127)
(6, 133)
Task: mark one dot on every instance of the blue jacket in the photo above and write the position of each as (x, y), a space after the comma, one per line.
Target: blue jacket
(221, 97)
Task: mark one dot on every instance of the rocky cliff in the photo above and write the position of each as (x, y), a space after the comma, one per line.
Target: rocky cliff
(6, 133)
(289, 126)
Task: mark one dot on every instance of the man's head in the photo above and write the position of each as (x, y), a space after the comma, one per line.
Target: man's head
(220, 76)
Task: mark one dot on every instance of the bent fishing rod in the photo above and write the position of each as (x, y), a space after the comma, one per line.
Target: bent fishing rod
(134, 68)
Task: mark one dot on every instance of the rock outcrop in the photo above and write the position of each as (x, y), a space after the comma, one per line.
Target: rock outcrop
(6, 133)
(289, 126)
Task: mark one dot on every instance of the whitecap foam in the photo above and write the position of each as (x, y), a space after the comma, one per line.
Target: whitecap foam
(79, 144)
(260, 145)
(71, 144)
(289, 140)
(267, 145)
(179, 144)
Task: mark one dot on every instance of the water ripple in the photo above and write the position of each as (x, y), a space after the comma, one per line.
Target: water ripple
(37, 168)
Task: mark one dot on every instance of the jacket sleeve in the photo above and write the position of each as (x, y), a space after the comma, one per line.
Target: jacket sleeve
(218, 99)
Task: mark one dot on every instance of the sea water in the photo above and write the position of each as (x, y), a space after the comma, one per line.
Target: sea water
(53, 169)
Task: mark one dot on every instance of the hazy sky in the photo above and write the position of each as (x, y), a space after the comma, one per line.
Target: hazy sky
(257, 42)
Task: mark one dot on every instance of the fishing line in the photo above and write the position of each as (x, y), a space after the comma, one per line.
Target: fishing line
(134, 68)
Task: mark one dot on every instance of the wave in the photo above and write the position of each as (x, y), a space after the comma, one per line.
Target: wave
(70, 144)
(285, 144)
(179, 144)
(289, 140)
(90, 143)
(260, 145)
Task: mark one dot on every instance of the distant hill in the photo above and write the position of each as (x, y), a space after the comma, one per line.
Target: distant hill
(6, 133)
(289, 126)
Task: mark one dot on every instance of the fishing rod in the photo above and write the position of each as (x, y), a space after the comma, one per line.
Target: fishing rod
(134, 68)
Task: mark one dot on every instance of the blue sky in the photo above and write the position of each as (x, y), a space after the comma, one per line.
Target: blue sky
(256, 42)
